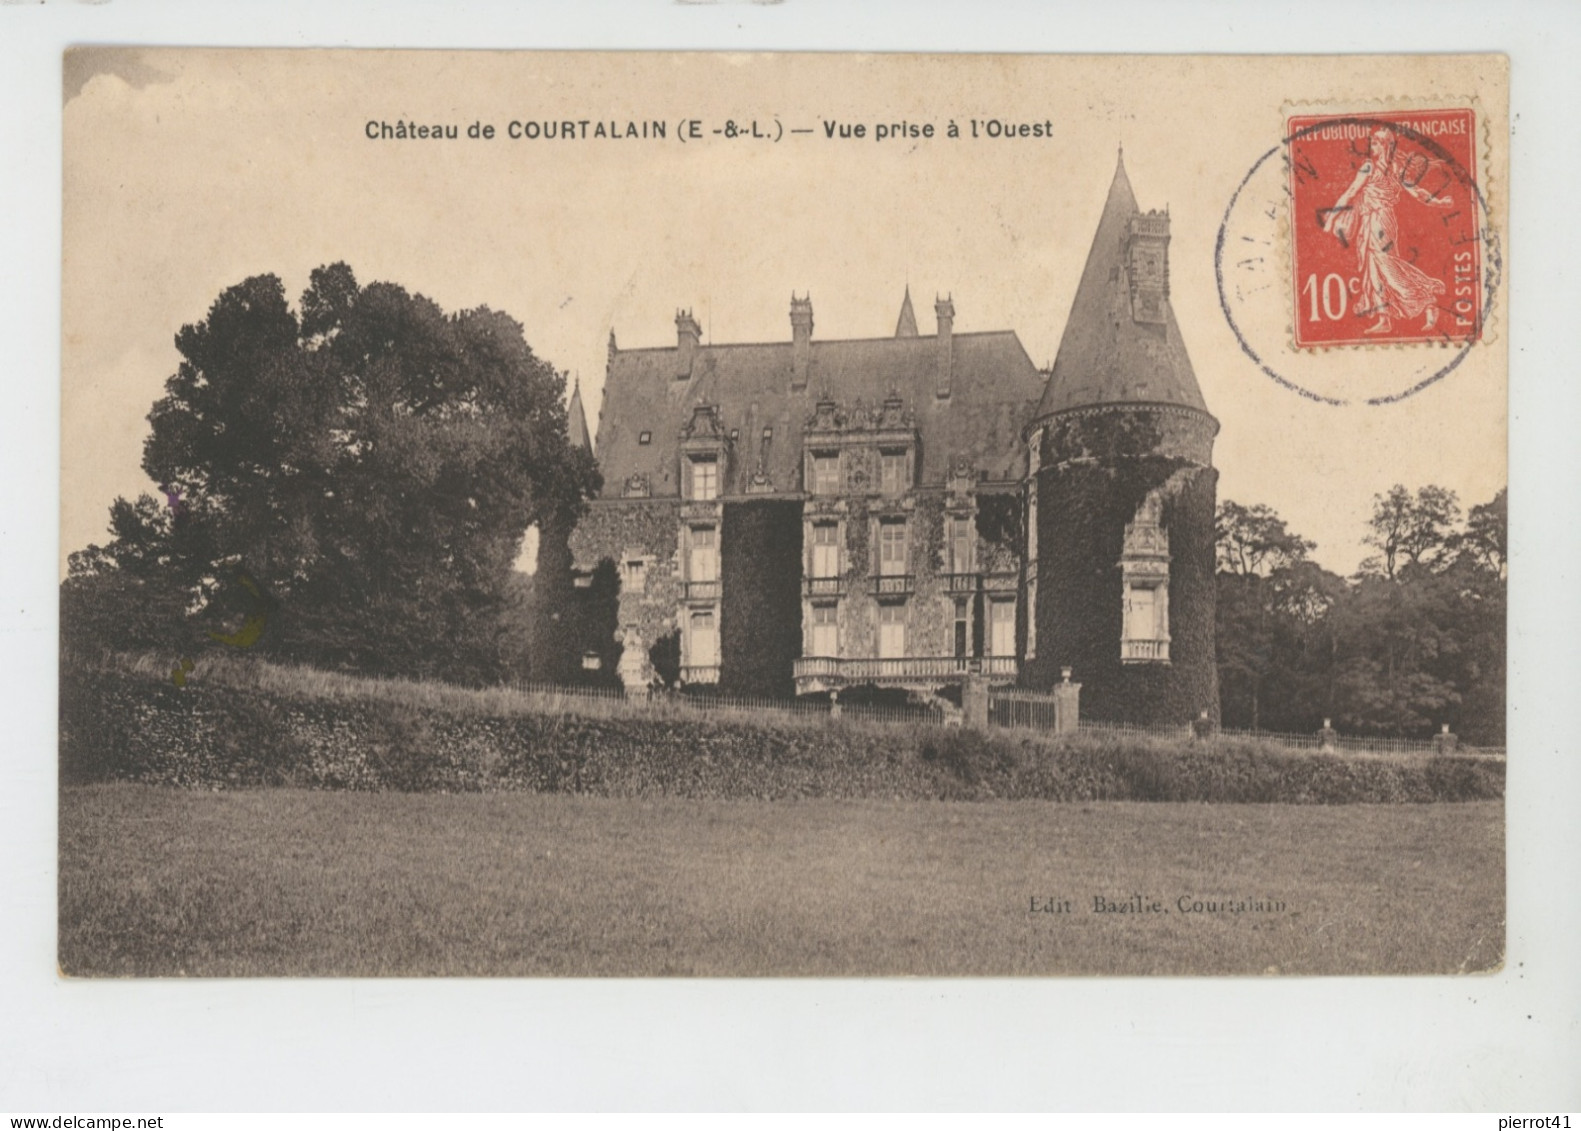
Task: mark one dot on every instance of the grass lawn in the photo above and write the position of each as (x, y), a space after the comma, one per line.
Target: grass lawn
(269, 882)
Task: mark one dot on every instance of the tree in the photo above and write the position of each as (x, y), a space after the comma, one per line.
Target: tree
(364, 468)
(1411, 529)
(1254, 540)
(1486, 538)
(1269, 600)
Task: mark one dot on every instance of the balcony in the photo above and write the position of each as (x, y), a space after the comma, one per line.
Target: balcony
(961, 582)
(817, 672)
(823, 586)
(1144, 651)
(892, 584)
(702, 590)
(699, 673)
(1000, 582)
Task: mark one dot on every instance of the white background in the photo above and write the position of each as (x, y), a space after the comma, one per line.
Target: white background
(1510, 1041)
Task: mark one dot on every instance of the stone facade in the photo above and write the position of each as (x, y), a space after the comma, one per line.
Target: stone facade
(917, 511)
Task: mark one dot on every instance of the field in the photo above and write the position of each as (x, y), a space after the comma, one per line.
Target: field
(280, 881)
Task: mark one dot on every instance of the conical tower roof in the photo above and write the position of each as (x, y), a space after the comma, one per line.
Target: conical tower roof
(1106, 356)
(576, 420)
(907, 326)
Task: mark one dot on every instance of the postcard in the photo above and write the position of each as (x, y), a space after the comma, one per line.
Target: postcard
(687, 514)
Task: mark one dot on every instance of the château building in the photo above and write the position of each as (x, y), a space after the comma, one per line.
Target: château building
(907, 511)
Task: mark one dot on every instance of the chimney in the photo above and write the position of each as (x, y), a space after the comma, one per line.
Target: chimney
(801, 340)
(687, 333)
(944, 309)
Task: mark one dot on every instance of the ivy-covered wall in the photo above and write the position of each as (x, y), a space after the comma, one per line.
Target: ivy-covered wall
(1097, 472)
(760, 599)
(612, 533)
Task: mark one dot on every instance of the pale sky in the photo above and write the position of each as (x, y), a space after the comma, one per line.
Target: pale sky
(185, 172)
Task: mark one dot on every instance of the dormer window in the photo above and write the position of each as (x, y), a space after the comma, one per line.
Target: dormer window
(645, 437)
(826, 473)
(893, 479)
(705, 478)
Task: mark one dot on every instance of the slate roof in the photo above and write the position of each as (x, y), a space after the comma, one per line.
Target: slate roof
(576, 420)
(906, 324)
(1105, 356)
(994, 389)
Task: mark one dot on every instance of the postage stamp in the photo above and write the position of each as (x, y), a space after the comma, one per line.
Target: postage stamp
(1385, 227)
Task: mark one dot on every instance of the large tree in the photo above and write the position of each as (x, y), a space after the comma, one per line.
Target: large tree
(356, 475)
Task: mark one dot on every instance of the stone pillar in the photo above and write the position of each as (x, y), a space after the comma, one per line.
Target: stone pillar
(1067, 704)
(974, 702)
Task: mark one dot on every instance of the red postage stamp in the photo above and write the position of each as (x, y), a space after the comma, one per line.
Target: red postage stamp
(1386, 226)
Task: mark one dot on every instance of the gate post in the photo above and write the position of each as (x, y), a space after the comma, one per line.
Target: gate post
(974, 702)
(1067, 704)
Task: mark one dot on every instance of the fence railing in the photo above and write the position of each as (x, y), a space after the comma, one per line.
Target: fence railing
(1357, 743)
(902, 669)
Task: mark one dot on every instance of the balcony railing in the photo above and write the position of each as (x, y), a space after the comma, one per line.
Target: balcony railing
(702, 590)
(1144, 651)
(892, 584)
(999, 582)
(699, 673)
(908, 669)
(962, 582)
(824, 586)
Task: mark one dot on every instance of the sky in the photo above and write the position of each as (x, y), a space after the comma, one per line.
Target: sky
(188, 171)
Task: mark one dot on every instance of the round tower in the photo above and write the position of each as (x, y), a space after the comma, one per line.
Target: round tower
(1121, 492)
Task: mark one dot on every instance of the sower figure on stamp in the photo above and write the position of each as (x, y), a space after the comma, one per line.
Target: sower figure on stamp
(1363, 218)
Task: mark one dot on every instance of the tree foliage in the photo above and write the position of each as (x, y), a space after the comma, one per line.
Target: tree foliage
(1414, 640)
(360, 471)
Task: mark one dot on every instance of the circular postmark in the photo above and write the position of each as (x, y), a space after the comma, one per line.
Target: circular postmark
(1357, 262)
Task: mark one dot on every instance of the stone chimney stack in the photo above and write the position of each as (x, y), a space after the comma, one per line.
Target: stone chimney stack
(944, 309)
(801, 340)
(687, 334)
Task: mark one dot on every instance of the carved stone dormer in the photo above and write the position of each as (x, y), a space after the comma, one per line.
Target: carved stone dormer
(637, 486)
(963, 477)
(704, 446)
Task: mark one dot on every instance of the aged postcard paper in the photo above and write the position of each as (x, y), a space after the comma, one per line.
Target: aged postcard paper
(707, 514)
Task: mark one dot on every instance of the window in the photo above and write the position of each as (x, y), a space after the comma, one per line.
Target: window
(704, 563)
(960, 544)
(963, 627)
(891, 632)
(825, 549)
(1002, 628)
(891, 548)
(826, 473)
(705, 478)
(825, 631)
(704, 644)
(892, 473)
(1141, 614)
(636, 580)
(645, 437)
